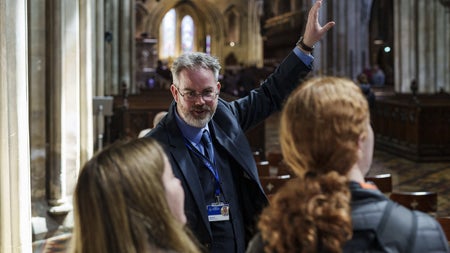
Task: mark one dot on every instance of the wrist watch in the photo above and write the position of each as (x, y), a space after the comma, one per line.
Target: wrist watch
(304, 46)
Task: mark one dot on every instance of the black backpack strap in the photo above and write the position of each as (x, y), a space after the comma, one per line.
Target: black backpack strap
(384, 219)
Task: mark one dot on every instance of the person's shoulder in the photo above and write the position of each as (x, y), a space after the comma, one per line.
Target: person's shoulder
(256, 244)
(399, 213)
(225, 103)
(403, 217)
(430, 236)
(426, 221)
(157, 133)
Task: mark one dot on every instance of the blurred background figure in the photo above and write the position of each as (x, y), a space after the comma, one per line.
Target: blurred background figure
(364, 84)
(378, 76)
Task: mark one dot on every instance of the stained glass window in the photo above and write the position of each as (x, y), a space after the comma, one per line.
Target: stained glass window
(177, 34)
(208, 44)
(168, 34)
(187, 34)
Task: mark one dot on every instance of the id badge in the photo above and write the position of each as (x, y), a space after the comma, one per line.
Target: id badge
(218, 212)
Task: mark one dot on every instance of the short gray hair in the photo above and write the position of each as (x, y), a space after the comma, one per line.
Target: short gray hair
(195, 60)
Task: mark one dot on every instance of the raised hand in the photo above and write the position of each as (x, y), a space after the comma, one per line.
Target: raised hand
(313, 30)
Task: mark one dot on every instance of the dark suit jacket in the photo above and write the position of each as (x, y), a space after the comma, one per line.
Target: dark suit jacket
(229, 123)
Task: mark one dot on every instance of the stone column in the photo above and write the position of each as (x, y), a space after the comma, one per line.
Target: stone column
(119, 50)
(255, 48)
(88, 74)
(63, 101)
(344, 49)
(103, 38)
(127, 44)
(443, 42)
(421, 46)
(15, 205)
(112, 84)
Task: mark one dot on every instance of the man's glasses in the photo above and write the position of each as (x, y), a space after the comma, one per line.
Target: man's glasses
(192, 96)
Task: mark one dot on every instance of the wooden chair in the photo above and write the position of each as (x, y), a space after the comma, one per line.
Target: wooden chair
(421, 201)
(445, 224)
(283, 169)
(382, 181)
(263, 168)
(274, 158)
(271, 184)
(257, 156)
(277, 165)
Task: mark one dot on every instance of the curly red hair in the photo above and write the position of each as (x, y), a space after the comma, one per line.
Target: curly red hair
(321, 124)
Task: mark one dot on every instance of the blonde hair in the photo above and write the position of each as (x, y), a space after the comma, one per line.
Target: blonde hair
(120, 203)
(321, 124)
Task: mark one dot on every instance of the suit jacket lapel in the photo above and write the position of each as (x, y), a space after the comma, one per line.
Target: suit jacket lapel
(178, 151)
(231, 147)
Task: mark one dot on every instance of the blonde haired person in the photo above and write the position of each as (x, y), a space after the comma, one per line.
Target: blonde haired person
(127, 200)
(327, 140)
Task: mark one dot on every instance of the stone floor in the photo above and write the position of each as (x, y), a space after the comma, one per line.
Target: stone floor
(412, 176)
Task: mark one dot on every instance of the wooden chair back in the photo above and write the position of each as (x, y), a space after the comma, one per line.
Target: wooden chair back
(274, 158)
(283, 169)
(277, 165)
(421, 201)
(257, 156)
(271, 184)
(445, 224)
(263, 168)
(382, 181)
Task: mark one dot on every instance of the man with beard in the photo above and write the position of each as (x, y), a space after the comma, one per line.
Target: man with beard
(205, 141)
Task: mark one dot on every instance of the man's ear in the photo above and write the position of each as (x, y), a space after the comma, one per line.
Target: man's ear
(174, 92)
(219, 85)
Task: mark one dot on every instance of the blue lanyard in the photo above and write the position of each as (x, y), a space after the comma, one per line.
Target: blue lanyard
(208, 164)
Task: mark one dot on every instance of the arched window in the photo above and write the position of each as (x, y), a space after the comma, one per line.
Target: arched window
(177, 33)
(187, 34)
(168, 34)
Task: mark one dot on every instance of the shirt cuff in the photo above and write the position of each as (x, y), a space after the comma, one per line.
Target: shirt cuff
(307, 59)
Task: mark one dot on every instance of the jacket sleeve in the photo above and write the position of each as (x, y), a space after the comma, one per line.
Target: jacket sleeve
(269, 97)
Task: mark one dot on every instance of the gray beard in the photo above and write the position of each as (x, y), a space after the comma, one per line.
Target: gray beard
(199, 123)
